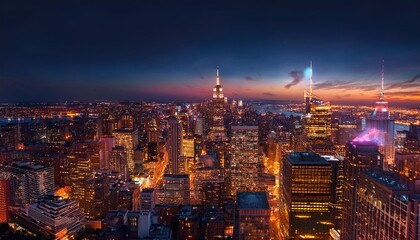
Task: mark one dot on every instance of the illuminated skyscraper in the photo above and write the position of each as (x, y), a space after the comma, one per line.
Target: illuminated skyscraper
(118, 162)
(209, 184)
(188, 154)
(152, 131)
(360, 156)
(412, 142)
(176, 189)
(129, 139)
(96, 201)
(317, 123)
(30, 182)
(408, 165)
(174, 145)
(198, 127)
(126, 121)
(380, 120)
(217, 112)
(385, 208)
(307, 193)
(244, 159)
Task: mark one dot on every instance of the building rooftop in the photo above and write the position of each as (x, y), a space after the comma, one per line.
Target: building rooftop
(30, 166)
(177, 176)
(360, 143)
(244, 127)
(148, 190)
(252, 200)
(306, 158)
(387, 179)
(159, 232)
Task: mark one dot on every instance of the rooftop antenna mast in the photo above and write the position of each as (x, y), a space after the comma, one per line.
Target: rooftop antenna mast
(382, 82)
(217, 76)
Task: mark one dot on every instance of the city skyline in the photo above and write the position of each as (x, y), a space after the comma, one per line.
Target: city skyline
(146, 51)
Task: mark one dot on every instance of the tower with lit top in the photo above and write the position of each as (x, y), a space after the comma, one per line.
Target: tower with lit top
(380, 120)
(317, 122)
(218, 90)
(216, 121)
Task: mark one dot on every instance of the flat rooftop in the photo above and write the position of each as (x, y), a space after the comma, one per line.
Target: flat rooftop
(178, 176)
(252, 200)
(306, 158)
(246, 127)
(148, 190)
(388, 179)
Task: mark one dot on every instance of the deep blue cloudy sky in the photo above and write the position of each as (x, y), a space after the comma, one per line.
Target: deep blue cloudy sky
(160, 50)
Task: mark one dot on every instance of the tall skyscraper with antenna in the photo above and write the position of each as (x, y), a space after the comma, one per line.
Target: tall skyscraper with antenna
(317, 122)
(381, 121)
(217, 121)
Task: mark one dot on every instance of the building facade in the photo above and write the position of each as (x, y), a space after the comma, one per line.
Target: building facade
(252, 216)
(360, 156)
(244, 159)
(307, 193)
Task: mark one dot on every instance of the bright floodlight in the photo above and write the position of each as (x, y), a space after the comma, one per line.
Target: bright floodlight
(308, 73)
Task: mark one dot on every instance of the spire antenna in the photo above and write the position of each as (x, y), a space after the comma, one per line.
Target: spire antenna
(310, 81)
(217, 76)
(382, 81)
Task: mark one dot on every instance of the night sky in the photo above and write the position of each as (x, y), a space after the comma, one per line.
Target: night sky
(141, 50)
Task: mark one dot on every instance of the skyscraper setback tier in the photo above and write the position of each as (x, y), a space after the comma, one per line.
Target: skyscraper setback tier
(51, 218)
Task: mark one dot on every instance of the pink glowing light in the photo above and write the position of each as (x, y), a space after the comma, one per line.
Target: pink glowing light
(371, 135)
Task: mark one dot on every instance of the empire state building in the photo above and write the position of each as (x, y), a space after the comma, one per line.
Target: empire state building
(381, 121)
(217, 125)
